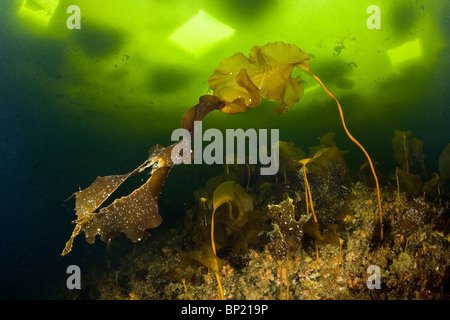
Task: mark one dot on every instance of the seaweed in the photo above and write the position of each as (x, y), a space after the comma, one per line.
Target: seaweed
(231, 193)
(312, 228)
(241, 83)
(184, 273)
(433, 187)
(238, 83)
(410, 183)
(138, 211)
(132, 214)
(326, 141)
(290, 155)
(408, 152)
(411, 174)
(444, 164)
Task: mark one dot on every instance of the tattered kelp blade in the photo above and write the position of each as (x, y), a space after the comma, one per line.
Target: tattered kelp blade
(89, 199)
(131, 214)
(138, 211)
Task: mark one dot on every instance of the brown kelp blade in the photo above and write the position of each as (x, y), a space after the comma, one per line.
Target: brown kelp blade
(131, 214)
(407, 182)
(89, 199)
(326, 161)
(207, 257)
(408, 152)
(241, 82)
(232, 192)
(138, 211)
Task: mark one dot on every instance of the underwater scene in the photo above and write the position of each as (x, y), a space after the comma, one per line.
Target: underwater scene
(224, 150)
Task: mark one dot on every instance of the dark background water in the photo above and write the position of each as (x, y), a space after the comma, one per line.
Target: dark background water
(46, 155)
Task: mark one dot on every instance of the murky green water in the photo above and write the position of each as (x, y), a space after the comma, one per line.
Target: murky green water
(81, 103)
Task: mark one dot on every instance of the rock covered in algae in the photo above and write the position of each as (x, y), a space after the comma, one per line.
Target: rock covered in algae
(401, 263)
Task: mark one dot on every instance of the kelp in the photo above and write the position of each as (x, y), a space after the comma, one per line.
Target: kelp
(138, 211)
(241, 203)
(312, 228)
(407, 182)
(184, 273)
(400, 147)
(328, 162)
(331, 236)
(207, 258)
(238, 83)
(308, 195)
(132, 214)
(242, 82)
(444, 164)
(277, 246)
(431, 185)
(232, 194)
(326, 165)
(326, 141)
(408, 152)
(240, 225)
(290, 155)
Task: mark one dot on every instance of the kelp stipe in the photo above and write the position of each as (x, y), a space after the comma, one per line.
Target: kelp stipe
(242, 83)
(238, 83)
(341, 113)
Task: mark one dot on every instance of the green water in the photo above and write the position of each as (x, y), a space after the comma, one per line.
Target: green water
(122, 71)
(88, 102)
